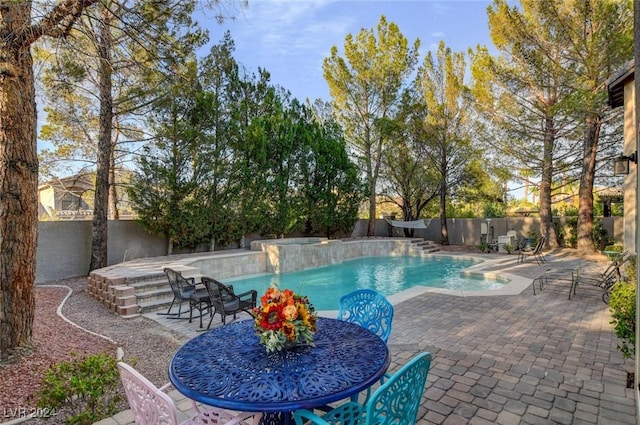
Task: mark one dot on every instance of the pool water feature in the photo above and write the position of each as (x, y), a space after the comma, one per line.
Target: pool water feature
(388, 275)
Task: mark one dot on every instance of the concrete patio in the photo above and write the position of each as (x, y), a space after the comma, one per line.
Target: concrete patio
(514, 359)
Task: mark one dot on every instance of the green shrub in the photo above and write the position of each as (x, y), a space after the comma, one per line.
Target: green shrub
(622, 303)
(87, 388)
(601, 237)
(614, 248)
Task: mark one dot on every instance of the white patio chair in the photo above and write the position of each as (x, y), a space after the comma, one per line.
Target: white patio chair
(152, 406)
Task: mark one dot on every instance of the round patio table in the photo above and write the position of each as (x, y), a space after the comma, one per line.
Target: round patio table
(227, 367)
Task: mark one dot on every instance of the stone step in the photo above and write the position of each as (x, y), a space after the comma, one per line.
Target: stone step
(146, 285)
(153, 295)
(156, 295)
(430, 249)
(162, 305)
(140, 287)
(424, 244)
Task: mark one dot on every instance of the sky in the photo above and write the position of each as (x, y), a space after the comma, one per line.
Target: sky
(291, 38)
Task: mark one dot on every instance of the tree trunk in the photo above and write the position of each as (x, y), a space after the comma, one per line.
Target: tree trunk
(114, 214)
(371, 230)
(444, 231)
(101, 204)
(585, 193)
(18, 184)
(546, 217)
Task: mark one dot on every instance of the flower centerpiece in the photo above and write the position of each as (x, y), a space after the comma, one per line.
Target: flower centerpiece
(284, 319)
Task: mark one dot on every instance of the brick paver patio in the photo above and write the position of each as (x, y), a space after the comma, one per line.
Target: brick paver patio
(519, 359)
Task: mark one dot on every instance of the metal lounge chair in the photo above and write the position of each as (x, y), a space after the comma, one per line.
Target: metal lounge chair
(394, 402)
(225, 302)
(369, 309)
(536, 253)
(152, 406)
(603, 280)
(184, 290)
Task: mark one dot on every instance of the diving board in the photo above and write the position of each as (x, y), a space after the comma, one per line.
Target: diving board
(423, 223)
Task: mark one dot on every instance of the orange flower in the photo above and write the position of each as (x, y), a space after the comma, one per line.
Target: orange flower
(288, 297)
(290, 312)
(289, 330)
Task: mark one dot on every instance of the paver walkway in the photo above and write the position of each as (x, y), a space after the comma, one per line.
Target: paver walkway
(519, 359)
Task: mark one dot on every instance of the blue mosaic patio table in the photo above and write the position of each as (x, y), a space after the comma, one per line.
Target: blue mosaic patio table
(227, 367)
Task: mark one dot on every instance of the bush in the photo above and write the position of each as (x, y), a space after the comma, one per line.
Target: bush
(88, 388)
(613, 248)
(601, 237)
(622, 303)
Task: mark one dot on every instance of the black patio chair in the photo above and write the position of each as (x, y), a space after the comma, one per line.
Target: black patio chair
(225, 302)
(184, 290)
(536, 253)
(605, 279)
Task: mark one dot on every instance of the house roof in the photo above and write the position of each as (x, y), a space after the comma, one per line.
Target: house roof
(616, 82)
(611, 193)
(76, 182)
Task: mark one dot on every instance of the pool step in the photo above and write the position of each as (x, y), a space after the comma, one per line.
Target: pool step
(425, 247)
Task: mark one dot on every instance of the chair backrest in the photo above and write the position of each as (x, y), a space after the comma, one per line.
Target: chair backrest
(398, 399)
(150, 406)
(180, 286)
(218, 290)
(612, 272)
(369, 309)
(540, 244)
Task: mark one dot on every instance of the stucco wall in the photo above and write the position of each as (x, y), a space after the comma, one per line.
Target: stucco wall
(631, 178)
(64, 247)
(467, 231)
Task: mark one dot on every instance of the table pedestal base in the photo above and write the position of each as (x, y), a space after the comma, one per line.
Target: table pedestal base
(277, 418)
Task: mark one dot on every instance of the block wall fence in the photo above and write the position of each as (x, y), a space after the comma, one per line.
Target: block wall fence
(64, 247)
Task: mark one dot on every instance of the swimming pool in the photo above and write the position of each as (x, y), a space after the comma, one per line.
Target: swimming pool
(388, 275)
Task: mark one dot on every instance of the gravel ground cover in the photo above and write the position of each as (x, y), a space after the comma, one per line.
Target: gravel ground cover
(56, 340)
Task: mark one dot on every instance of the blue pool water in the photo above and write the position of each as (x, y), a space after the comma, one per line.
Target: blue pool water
(388, 275)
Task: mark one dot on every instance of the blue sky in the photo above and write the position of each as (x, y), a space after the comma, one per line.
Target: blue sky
(290, 38)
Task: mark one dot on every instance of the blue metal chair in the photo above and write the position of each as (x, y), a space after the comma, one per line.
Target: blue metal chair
(369, 309)
(395, 402)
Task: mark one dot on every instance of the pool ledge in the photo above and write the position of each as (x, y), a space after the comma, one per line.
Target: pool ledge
(486, 267)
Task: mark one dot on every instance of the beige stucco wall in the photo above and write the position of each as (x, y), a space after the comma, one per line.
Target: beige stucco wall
(64, 247)
(630, 179)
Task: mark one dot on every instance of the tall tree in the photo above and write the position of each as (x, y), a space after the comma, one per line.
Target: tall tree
(169, 170)
(557, 58)
(598, 35)
(524, 94)
(121, 47)
(19, 170)
(330, 186)
(407, 180)
(448, 140)
(222, 85)
(366, 85)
